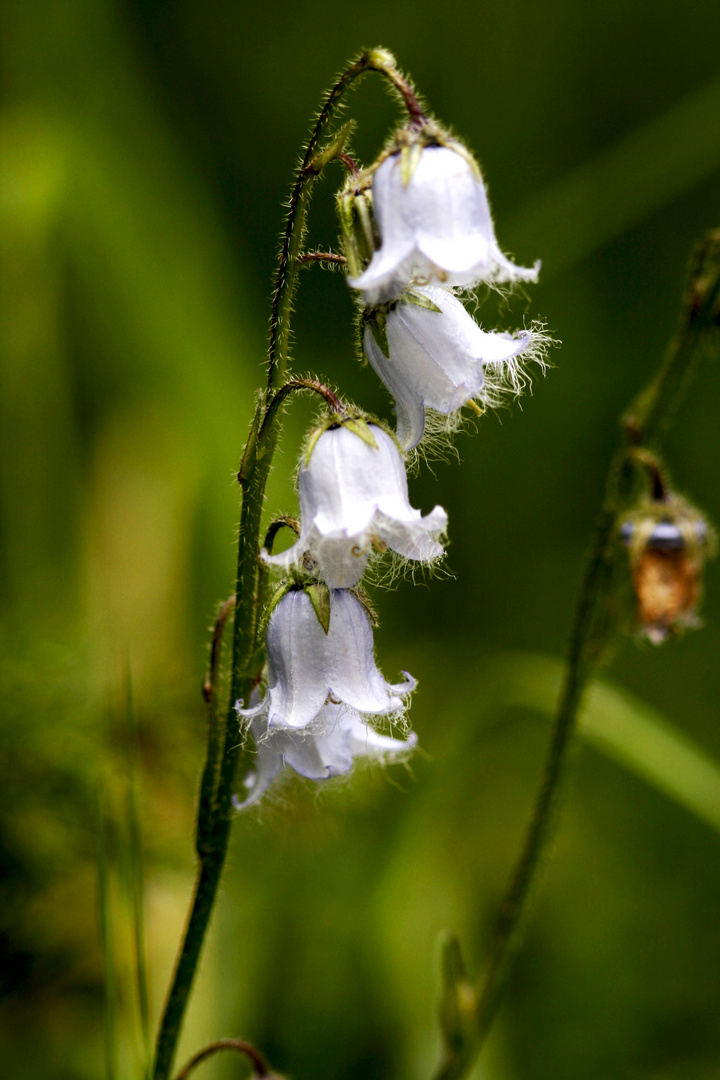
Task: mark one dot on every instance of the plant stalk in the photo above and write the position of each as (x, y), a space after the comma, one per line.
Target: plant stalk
(228, 755)
(594, 624)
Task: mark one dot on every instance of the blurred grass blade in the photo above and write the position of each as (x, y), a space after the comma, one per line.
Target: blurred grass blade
(134, 877)
(106, 940)
(622, 726)
(643, 740)
(137, 896)
(621, 185)
(456, 1010)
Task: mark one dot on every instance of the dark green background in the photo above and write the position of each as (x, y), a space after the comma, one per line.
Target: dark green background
(146, 150)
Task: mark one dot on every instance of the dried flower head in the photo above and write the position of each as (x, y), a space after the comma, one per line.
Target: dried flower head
(668, 541)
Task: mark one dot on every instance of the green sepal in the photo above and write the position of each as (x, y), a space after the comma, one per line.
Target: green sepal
(417, 300)
(462, 150)
(360, 239)
(360, 427)
(458, 999)
(410, 159)
(368, 238)
(312, 439)
(378, 327)
(360, 594)
(319, 595)
(357, 424)
(334, 147)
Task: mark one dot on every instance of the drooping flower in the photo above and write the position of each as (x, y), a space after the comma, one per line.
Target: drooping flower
(353, 493)
(341, 737)
(309, 667)
(440, 359)
(433, 216)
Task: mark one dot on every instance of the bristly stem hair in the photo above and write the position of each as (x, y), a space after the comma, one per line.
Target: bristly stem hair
(228, 755)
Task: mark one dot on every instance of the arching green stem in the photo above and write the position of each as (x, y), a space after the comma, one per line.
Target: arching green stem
(228, 756)
(313, 161)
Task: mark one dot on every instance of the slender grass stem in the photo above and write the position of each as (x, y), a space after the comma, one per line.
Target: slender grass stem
(106, 940)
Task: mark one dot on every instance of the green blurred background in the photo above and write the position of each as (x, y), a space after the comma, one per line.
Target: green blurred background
(146, 150)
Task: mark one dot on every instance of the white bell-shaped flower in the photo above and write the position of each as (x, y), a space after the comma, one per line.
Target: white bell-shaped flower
(308, 667)
(440, 359)
(341, 736)
(434, 225)
(353, 494)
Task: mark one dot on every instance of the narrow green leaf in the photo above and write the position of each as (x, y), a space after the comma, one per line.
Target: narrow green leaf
(622, 726)
(106, 941)
(136, 878)
(643, 740)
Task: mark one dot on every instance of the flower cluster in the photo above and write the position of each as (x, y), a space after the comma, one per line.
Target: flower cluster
(416, 225)
(436, 234)
(323, 684)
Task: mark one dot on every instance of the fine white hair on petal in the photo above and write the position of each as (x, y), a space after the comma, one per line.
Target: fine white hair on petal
(439, 358)
(352, 495)
(306, 666)
(328, 749)
(435, 226)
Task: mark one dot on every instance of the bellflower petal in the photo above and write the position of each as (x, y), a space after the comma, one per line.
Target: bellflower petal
(434, 226)
(319, 754)
(437, 359)
(306, 666)
(351, 494)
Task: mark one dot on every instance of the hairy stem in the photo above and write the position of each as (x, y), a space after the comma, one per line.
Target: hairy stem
(214, 811)
(228, 755)
(383, 63)
(322, 256)
(594, 624)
